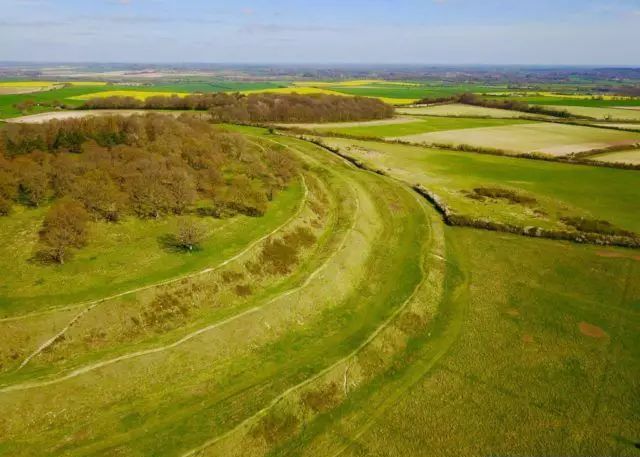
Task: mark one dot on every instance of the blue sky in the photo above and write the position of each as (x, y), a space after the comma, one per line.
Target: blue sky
(603, 32)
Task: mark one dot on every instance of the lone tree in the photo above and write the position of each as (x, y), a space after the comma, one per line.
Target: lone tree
(190, 234)
(64, 228)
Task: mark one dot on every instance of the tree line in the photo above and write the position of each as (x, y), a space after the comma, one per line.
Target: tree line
(106, 167)
(263, 107)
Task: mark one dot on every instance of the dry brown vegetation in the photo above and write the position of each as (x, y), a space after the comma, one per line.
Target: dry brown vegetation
(480, 193)
(259, 107)
(147, 166)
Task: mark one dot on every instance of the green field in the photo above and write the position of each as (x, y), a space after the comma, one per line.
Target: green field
(7, 102)
(415, 92)
(586, 102)
(420, 126)
(543, 137)
(519, 364)
(560, 189)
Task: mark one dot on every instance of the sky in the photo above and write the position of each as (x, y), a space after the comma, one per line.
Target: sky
(533, 32)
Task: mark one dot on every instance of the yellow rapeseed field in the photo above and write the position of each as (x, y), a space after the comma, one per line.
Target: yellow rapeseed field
(140, 95)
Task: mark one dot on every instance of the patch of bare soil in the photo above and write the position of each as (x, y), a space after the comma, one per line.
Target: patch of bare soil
(591, 330)
(18, 90)
(617, 255)
(395, 207)
(612, 255)
(526, 338)
(513, 312)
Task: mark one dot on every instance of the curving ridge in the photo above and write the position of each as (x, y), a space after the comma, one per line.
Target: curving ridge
(353, 308)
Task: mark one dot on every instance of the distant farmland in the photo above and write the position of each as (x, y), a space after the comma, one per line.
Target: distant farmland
(547, 138)
(292, 290)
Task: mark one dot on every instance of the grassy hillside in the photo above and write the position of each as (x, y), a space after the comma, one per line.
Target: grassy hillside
(348, 319)
(120, 256)
(299, 338)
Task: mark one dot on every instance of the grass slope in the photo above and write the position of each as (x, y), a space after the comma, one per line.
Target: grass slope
(389, 334)
(120, 256)
(208, 385)
(526, 361)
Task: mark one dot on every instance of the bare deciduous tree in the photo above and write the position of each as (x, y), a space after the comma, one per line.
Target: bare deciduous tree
(190, 233)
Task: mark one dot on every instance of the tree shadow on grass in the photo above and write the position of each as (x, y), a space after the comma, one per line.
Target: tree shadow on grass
(169, 243)
(43, 258)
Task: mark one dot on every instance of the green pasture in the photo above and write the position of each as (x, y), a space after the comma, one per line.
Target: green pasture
(520, 361)
(586, 102)
(560, 189)
(529, 137)
(415, 92)
(424, 124)
(65, 95)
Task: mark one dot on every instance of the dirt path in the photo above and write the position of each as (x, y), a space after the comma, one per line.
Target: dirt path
(93, 304)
